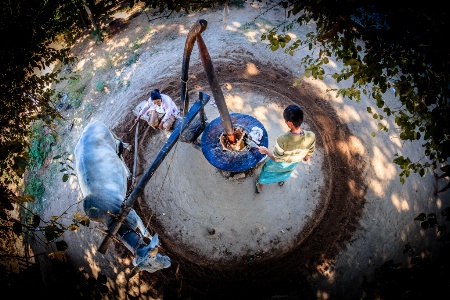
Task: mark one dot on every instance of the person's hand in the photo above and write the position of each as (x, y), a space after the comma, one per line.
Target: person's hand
(307, 157)
(263, 150)
(160, 126)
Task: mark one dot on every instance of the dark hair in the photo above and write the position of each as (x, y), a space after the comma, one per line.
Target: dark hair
(155, 95)
(294, 114)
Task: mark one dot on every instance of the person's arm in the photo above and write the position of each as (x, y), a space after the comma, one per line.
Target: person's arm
(276, 154)
(264, 150)
(143, 110)
(312, 148)
(169, 107)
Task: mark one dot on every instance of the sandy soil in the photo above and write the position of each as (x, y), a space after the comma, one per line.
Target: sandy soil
(316, 237)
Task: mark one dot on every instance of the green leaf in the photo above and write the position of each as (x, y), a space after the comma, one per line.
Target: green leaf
(65, 177)
(424, 225)
(73, 227)
(421, 217)
(379, 102)
(52, 232)
(85, 221)
(422, 172)
(24, 198)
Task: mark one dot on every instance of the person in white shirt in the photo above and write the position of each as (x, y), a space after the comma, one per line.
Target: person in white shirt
(162, 111)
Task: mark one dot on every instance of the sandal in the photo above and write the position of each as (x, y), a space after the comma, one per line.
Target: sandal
(257, 191)
(280, 183)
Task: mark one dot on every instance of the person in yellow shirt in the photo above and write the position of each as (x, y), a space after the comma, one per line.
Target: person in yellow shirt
(291, 147)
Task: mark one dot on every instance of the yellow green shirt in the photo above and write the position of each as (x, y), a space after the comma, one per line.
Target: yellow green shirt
(291, 147)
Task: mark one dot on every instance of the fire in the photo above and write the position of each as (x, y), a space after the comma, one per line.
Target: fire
(233, 142)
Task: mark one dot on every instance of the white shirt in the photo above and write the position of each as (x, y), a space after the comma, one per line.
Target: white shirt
(168, 107)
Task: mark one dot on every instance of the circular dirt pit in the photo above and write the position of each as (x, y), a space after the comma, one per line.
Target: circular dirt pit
(225, 240)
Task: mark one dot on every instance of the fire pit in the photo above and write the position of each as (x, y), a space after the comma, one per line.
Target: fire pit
(236, 156)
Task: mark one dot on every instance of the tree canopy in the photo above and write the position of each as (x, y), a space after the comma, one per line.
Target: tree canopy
(28, 28)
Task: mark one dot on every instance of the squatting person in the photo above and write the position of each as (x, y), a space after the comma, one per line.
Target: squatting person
(163, 112)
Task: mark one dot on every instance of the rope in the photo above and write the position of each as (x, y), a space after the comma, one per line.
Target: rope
(159, 193)
(164, 180)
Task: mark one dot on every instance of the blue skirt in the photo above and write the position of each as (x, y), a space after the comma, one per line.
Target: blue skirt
(276, 171)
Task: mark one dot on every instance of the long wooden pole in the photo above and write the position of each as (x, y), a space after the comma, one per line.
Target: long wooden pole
(195, 30)
(126, 207)
(216, 90)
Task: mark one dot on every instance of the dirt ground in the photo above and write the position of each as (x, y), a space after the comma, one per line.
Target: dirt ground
(316, 237)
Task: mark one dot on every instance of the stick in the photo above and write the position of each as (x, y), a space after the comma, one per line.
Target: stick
(106, 233)
(135, 155)
(137, 121)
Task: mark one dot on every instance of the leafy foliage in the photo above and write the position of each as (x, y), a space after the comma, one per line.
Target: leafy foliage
(427, 277)
(29, 29)
(430, 220)
(52, 229)
(42, 139)
(24, 91)
(66, 164)
(382, 46)
(34, 187)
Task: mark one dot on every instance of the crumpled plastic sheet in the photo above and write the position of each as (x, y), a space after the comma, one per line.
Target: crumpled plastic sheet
(256, 134)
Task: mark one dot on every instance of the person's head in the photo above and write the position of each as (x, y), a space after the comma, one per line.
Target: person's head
(156, 97)
(293, 113)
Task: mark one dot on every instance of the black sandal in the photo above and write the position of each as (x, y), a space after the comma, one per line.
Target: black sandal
(280, 183)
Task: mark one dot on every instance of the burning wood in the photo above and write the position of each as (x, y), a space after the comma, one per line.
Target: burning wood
(238, 144)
